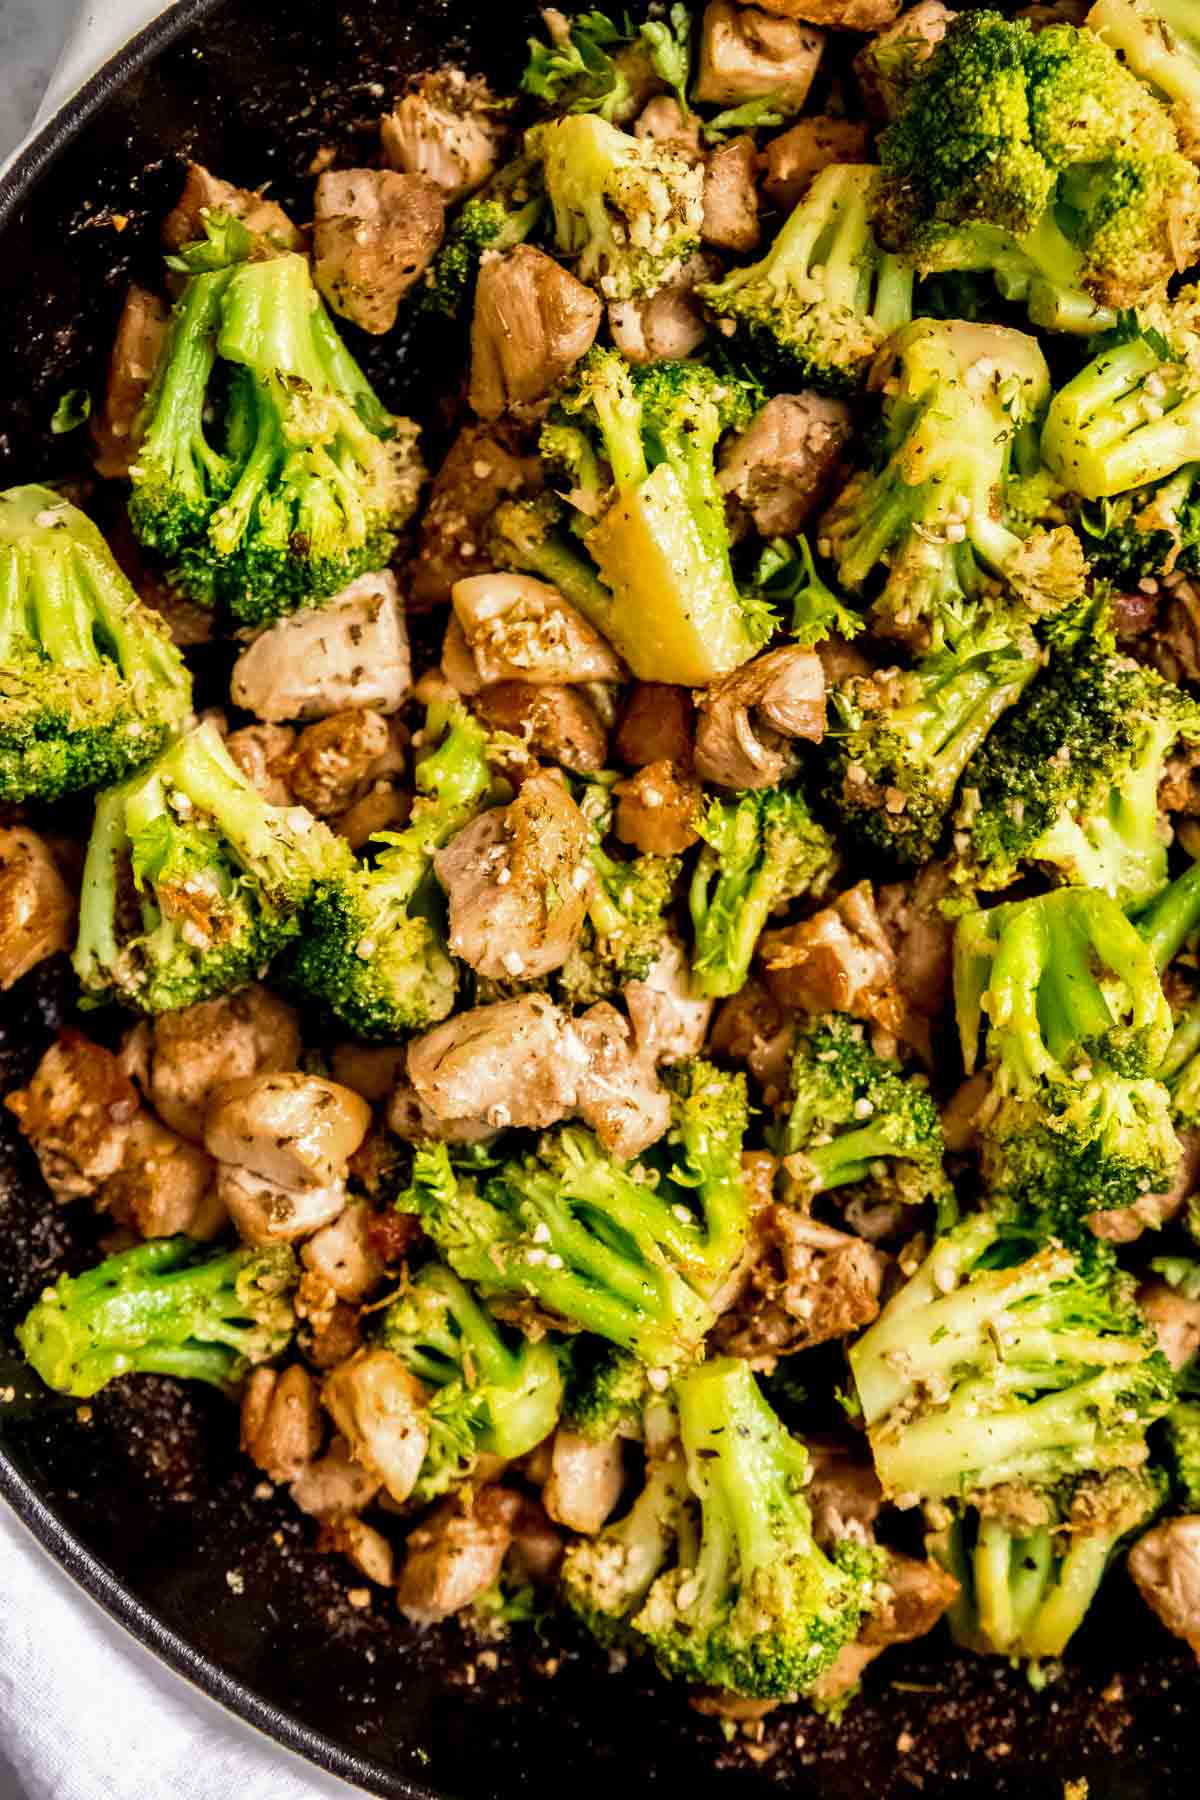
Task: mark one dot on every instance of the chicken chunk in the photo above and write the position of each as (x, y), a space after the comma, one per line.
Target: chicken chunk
(191, 1052)
(264, 755)
(290, 1128)
(1165, 1565)
(839, 960)
(37, 909)
(665, 123)
(77, 1113)
(780, 468)
(372, 1070)
(517, 1062)
(670, 1022)
(265, 1212)
(753, 1029)
(353, 651)
(281, 1421)
(141, 332)
(657, 809)
(518, 629)
(344, 1255)
(619, 1093)
(886, 65)
(909, 1602)
(747, 721)
(532, 322)
(791, 161)
(483, 466)
(1175, 1318)
(746, 52)
(455, 1554)
(669, 324)
(374, 235)
(844, 1494)
(164, 1185)
(558, 724)
(518, 880)
(655, 725)
(585, 1481)
(335, 760)
(335, 1486)
(923, 937)
(811, 1284)
(379, 1408)
(838, 15)
(204, 194)
(447, 128)
(731, 197)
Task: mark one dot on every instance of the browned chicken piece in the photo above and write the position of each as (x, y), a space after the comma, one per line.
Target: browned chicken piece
(1123, 1225)
(532, 322)
(281, 1421)
(483, 466)
(372, 1070)
(264, 755)
(77, 1113)
(517, 629)
(655, 725)
(747, 722)
(537, 1546)
(335, 1486)
(1175, 1318)
(887, 64)
(517, 1062)
(1165, 1565)
(780, 468)
(374, 235)
(265, 1212)
(962, 1114)
(670, 1022)
(379, 1408)
(717, 1703)
(585, 1481)
(746, 52)
(365, 1549)
(191, 1052)
(164, 1185)
(838, 15)
(290, 1128)
(911, 915)
(344, 1256)
(752, 1028)
(558, 724)
(790, 162)
(810, 1284)
(116, 434)
(37, 909)
(1176, 643)
(337, 758)
(455, 1554)
(384, 807)
(909, 1601)
(669, 324)
(351, 652)
(517, 880)
(844, 1494)
(657, 809)
(331, 1334)
(731, 197)
(204, 194)
(447, 128)
(665, 123)
(1179, 789)
(410, 1119)
(839, 960)
(619, 1093)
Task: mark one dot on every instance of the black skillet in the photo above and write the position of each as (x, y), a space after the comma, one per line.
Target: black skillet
(147, 1503)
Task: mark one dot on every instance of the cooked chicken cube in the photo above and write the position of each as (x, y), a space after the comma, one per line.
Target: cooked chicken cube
(374, 235)
(665, 123)
(336, 759)
(657, 809)
(281, 1421)
(164, 1185)
(923, 937)
(839, 960)
(752, 1028)
(585, 1480)
(532, 322)
(294, 1129)
(810, 1284)
(518, 1062)
(353, 651)
(364, 1548)
(619, 1094)
(447, 128)
(335, 1486)
(655, 725)
(518, 629)
(838, 15)
(77, 1113)
(669, 324)
(790, 161)
(204, 195)
(731, 196)
(558, 724)
(141, 331)
(191, 1052)
(844, 1494)
(1165, 1565)
(37, 910)
(886, 65)
(264, 755)
(456, 1554)
(669, 1021)
(780, 468)
(1176, 1321)
(746, 53)
(909, 1602)
(747, 722)
(372, 1070)
(344, 1256)
(379, 1408)
(483, 466)
(264, 1212)
(518, 880)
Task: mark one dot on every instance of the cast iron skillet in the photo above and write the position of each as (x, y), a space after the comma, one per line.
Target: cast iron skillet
(145, 1500)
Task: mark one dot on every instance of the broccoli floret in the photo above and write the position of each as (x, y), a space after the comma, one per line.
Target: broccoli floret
(786, 577)
(710, 1115)
(314, 477)
(760, 849)
(1068, 781)
(193, 882)
(1077, 1027)
(627, 914)
(995, 1364)
(606, 1578)
(1160, 41)
(673, 611)
(1181, 1438)
(90, 684)
(373, 952)
(824, 298)
(1029, 1563)
(506, 1391)
(856, 1117)
(627, 212)
(593, 65)
(163, 1308)
(1045, 137)
(1155, 531)
(504, 213)
(607, 1391)
(934, 518)
(754, 1607)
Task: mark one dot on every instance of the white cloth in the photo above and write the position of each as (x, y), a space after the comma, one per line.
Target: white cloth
(85, 1712)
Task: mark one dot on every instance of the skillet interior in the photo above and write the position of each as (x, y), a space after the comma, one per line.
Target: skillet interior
(148, 1502)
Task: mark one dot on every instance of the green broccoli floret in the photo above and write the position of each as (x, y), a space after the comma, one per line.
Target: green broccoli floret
(627, 915)
(313, 479)
(710, 1116)
(504, 213)
(856, 1117)
(193, 882)
(1077, 1119)
(593, 65)
(1160, 41)
(168, 1307)
(760, 849)
(90, 684)
(1145, 535)
(1181, 1437)
(934, 520)
(508, 1392)
(627, 211)
(373, 953)
(786, 577)
(824, 298)
(1068, 781)
(606, 1578)
(607, 1391)
(1029, 1561)
(754, 1607)
(1044, 137)
(999, 1363)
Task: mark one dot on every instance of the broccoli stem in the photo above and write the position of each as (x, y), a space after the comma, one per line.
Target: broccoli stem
(96, 947)
(1169, 921)
(175, 436)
